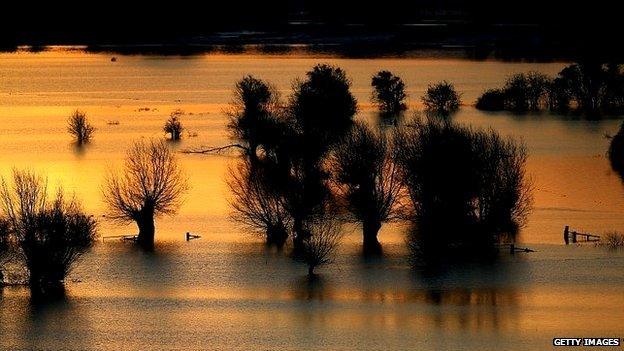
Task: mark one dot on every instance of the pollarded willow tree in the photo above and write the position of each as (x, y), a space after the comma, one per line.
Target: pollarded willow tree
(367, 181)
(50, 234)
(150, 185)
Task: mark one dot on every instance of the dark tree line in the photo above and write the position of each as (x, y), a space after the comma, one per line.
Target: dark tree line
(588, 87)
(309, 166)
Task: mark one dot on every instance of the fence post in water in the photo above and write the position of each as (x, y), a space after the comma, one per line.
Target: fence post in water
(512, 248)
(565, 234)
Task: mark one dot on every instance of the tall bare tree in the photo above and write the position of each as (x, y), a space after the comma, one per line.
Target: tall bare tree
(151, 184)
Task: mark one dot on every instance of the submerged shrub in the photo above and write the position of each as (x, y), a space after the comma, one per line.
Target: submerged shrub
(613, 240)
(441, 98)
(79, 127)
(51, 234)
(491, 100)
(319, 247)
(467, 188)
(389, 92)
(173, 126)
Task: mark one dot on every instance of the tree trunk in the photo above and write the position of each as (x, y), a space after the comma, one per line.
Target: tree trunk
(147, 229)
(310, 271)
(300, 235)
(44, 286)
(370, 228)
(276, 235)
(253, 152)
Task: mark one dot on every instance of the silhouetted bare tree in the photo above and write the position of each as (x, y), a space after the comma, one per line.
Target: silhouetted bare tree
(151, 184)
(253, 113)
(51, 234)
(467, 188)
(319, 247)
(257, 201)
(173, 126)
(389, 92)
(505, 193)
(367, 179)
(441, 98)
(79, 127)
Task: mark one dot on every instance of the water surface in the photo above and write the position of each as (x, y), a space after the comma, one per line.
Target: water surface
(225, 292)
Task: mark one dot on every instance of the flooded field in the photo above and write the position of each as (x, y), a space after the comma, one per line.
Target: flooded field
(225, 291)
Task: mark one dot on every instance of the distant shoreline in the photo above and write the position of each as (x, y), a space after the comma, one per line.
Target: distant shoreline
(432, 39)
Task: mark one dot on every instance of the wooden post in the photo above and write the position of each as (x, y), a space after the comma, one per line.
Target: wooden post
(512, 248)
(188, 235)
(565, 235)
(574, 237)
